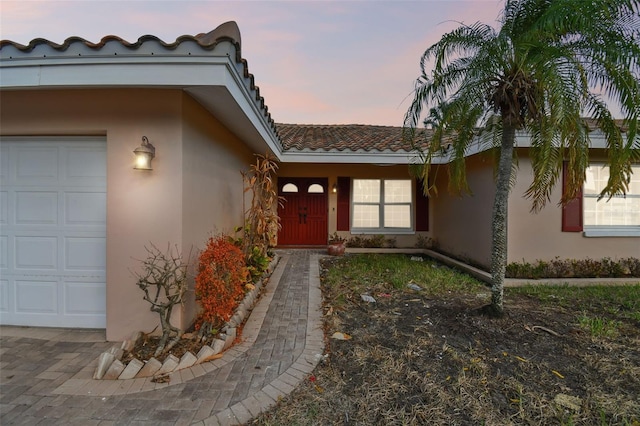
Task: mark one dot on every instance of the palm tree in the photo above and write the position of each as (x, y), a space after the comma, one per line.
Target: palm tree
(539, 73)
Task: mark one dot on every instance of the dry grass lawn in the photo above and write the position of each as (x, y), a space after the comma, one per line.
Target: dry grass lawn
(561, 356)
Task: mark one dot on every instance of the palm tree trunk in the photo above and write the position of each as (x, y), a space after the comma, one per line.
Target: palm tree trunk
(499, 220)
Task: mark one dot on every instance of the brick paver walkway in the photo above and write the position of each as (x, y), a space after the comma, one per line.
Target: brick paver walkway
(46, 379)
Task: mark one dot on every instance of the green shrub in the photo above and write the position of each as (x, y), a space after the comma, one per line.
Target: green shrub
(374, 241)
(576, 268)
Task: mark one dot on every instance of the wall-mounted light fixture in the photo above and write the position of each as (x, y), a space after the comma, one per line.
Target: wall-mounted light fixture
(334, 188)
(144, 154)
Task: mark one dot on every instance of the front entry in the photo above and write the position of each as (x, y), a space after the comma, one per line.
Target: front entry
(303, 215)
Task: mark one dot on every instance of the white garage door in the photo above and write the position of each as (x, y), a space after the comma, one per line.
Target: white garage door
(53, 203)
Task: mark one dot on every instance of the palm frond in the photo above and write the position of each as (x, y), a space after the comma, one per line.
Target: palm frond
(541, 71)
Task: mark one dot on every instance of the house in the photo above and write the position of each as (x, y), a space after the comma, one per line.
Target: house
(76, 215)
(360, 162)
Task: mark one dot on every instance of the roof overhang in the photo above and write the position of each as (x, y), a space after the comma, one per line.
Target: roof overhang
(213, 78)
(405, 157)
(355, 157)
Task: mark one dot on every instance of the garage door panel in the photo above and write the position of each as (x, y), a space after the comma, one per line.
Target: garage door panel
(4, 252)
(36, 297)
(85, 298)
(36, 252)
(86, 254)
(4, 207)
(4, 296)
(36, 162)
(85, 208)
(36, 208)
(4, 164)
(83, 163)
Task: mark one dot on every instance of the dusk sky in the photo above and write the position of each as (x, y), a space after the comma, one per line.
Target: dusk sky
(316, 62)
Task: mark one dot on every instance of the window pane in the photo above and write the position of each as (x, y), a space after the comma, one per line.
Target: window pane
(397, 191)
(634, 211)
(289, 188)
(366, 216)
(315, 189)
(617, 211)
(590, 181)
(366, 191)
(397, 216)
(590, 211)
(596, 179)
(634, 185)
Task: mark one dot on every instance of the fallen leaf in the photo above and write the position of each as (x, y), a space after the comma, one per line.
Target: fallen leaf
(212, 357)
(340, 336)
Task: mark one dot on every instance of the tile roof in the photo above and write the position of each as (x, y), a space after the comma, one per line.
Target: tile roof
(342, 137)
(359, 137)
(228, 31)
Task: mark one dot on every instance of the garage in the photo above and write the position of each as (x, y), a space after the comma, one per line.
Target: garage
(53, 201)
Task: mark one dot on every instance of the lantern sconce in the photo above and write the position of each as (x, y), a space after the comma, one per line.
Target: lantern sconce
(334, 188)
(144, 154)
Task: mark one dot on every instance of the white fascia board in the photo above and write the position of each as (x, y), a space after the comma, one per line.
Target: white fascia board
(111, 72)
(353, 157)
(596, 139)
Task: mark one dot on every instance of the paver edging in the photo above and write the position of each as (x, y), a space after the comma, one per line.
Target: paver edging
(243, 311)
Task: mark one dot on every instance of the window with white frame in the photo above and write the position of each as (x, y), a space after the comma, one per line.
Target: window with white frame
(621, 212)
(381, 205)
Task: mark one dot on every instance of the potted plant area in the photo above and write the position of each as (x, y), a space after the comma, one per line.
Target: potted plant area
(336, 245)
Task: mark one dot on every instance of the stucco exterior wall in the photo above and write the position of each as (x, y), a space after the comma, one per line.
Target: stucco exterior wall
(462, 223)
(361, 171)
(212, 195)
(194, 188)
(539, 236)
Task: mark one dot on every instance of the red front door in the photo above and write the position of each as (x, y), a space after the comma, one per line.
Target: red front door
(303, 215)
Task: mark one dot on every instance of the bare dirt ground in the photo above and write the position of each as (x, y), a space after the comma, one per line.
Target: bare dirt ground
(147, 345)
(436, 360)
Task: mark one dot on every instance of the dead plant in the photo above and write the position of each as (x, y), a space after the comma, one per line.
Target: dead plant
(164, 282)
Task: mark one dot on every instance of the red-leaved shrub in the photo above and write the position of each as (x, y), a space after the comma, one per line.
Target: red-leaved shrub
(222, 275)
